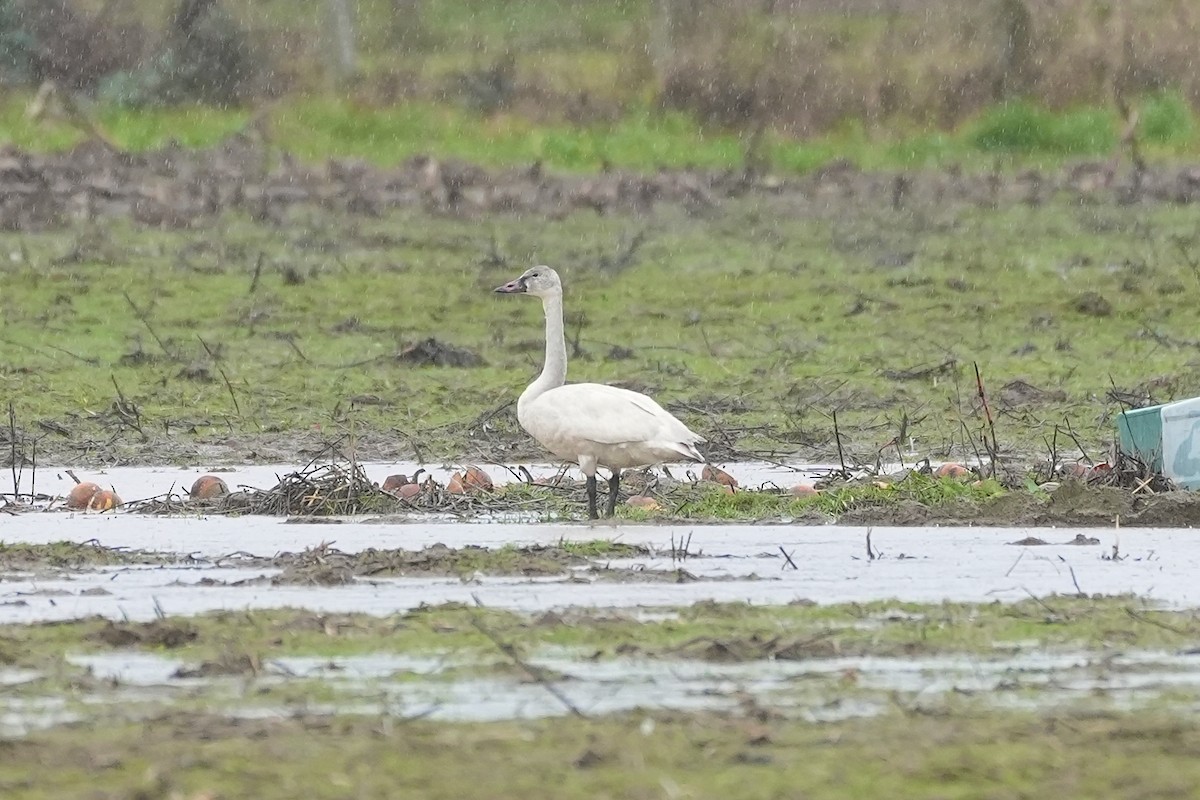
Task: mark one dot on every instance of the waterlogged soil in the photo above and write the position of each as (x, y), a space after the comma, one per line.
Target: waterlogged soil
(750, 701)
(73, 557)
(326, 566)
(705, 631)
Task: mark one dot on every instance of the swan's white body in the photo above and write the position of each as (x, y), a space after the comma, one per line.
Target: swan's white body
(592, 424)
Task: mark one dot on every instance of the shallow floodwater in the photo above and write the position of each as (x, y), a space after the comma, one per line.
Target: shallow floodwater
(133, 684)
(731, 563)
(724, 563)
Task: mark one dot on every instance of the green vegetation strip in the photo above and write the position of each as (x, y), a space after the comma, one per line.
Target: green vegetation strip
(955, 754)
(1011, 135)
(76, 556)
(719, 632)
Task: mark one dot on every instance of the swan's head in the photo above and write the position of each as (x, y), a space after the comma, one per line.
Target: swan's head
(537, 281)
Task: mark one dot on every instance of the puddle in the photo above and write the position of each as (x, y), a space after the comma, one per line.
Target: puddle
(14, 677)
(957, 564)
(21, 716)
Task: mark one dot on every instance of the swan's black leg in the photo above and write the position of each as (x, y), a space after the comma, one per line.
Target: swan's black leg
(613, 483)
(591, 487)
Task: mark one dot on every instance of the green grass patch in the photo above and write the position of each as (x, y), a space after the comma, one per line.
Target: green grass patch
(924, 489)
(319, 127)
(74, 556)
(1167, 118)
(1022, 127)
(958, 753)
(754, 320)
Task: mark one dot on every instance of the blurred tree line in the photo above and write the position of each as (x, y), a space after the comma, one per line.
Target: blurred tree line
(202, 54)
(800, 66)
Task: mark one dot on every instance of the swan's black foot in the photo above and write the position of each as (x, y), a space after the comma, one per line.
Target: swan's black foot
(613, 485)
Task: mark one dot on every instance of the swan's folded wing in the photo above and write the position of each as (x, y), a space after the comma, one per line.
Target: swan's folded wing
(608, 415)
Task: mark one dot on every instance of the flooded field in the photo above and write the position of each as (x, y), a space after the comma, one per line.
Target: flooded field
(166, 614)
(1022, 626)
(224, 566)
(210, 562)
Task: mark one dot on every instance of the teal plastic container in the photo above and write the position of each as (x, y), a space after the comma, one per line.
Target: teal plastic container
(1139, 432)
(1181, 443)
(1166, 438)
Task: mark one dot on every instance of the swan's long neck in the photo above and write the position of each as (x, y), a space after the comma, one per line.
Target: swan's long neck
(554, 371)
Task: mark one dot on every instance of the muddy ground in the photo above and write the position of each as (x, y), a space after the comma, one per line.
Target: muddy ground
(178, 187)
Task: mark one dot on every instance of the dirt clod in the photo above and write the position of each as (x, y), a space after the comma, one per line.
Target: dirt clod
(169, 634)
(434, 353)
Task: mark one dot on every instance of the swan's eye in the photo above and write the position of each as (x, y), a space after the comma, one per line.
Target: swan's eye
(536, 275)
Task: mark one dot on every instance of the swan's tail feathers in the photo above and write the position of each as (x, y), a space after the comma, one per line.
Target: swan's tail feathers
(688, 450)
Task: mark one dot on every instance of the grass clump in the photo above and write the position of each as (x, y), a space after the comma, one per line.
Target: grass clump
(837, 500)
(1166, 118)
(1021, 127)
(74, 556)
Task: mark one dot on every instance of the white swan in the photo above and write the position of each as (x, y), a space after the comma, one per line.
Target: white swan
(592, 424)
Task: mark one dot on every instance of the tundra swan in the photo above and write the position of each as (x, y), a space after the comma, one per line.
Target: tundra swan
(592, 424)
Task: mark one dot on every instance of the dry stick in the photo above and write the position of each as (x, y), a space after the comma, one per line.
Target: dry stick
(224, 377)
(123, 404)
(292, 343)
(95, 362)
(707, 344)
(787, 557)
(1043, 604)
(970, 437)
(1075, 439)
(1080, 592)
(12, 445)
(258, 265)
(534, 672)
(871, 556)
(682, 550)
(1163, 625)
(837, 437)
(1052, 444)
(994, 448)
(1014, 564)
(141, 315)
(511, 471)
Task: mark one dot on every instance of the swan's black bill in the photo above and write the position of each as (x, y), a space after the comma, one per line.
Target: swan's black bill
(513, 287)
